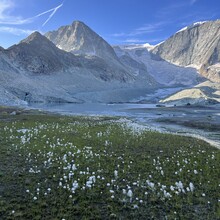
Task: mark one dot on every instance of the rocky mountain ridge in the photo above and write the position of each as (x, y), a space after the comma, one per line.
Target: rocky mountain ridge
(35, 70)
(197, 46)
(74, 64)
(78, 38)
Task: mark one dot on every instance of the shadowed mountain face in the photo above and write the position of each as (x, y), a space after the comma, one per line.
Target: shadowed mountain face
(197, 45)
(35, 70)
(36, 54)
(78, 38)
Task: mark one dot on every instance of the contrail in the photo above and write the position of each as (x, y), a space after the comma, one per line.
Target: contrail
(54, 10)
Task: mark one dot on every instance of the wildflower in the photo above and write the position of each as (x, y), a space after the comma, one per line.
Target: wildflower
(172, 188)
(136, 207)
(116, 173)
(195, 172)
(130, 194)
(191, 186)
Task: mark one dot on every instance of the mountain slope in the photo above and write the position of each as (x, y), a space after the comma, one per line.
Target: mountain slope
(79, 39)
(36, 54)
(141, 60)
(197, 45)
(204, 93)
(36, 70)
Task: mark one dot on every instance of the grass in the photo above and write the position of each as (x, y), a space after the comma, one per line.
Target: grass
(58, 167)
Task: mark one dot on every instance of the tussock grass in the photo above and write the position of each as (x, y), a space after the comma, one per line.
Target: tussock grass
(54, 167)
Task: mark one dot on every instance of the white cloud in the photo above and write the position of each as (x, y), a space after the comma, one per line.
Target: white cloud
(118, 34)
(145, 29)
(192, 2)
(15, 31)
(5, 18)
(148, 28)
(134, 40)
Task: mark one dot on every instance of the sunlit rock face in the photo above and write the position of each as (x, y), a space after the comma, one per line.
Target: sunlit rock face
(78, 38)
(197, 46)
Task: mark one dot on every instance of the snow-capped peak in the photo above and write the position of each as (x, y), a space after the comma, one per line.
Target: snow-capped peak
(149, 46)
(191, 26)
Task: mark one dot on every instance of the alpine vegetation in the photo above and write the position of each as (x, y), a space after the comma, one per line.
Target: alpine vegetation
(55, 167)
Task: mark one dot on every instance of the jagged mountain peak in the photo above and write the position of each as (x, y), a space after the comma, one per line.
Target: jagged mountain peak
(37, 38)
(37, 54)
(79, 23)
(78, 38)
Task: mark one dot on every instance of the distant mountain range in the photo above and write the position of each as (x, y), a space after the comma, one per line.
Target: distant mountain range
(74, 64)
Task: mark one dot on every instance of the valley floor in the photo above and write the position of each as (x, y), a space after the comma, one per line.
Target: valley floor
(65, 167)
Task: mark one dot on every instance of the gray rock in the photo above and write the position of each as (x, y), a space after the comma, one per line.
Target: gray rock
(197, 45)
(78, 38)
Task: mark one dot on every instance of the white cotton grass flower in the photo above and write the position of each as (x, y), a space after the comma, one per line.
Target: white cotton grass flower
(130, 194)
(172, 188)
(124, 191)
(135, 206)
(195, 172)
(191, 186)
(116, 174)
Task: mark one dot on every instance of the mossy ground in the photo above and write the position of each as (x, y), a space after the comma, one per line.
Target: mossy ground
(58, 167)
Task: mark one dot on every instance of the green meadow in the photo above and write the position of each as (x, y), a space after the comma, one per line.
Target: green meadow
(60, 167)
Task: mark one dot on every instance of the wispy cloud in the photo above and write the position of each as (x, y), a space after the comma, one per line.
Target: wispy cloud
(145, 29)
(148, 28)
(118, 34)
(15, 31)
(141, 41)
(5, 18)
(192, 2)
(134, 41)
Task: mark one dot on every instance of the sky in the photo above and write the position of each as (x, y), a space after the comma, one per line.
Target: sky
(117, 21)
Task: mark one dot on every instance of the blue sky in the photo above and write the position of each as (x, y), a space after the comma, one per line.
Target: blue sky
(117, 21)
